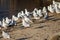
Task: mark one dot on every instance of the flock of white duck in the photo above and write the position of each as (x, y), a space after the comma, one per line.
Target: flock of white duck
(26, 17)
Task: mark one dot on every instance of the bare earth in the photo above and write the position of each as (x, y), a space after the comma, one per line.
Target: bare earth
(40, 30)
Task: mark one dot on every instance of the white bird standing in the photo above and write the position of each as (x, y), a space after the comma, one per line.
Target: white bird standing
(59, 5)
(4, 24)
(44, 10)
(56, 6)
(5, 35)
(26, 12)
(35, 15)
(14, 18)
(19, 14)
(7, 20)
(35, 9)
(23, 14)
(54, 2)
(56, 9)
(45, 13)
(26, 21)
(40, 13)
(51, 9)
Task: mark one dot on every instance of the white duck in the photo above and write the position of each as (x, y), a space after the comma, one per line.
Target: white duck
(44, 10)
(59, 5)
(56, 9)
(23, 14)
(14, 18)
(19, 15)
(54, 2)
(50, 8)
(5, 35)
(40, 13)
(4, 24)
(45, 13)
(35, 15)
(26, 12)
(35, 9)
(26, 21)
(7, 20)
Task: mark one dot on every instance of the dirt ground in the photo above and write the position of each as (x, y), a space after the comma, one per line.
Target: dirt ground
(39, 30)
